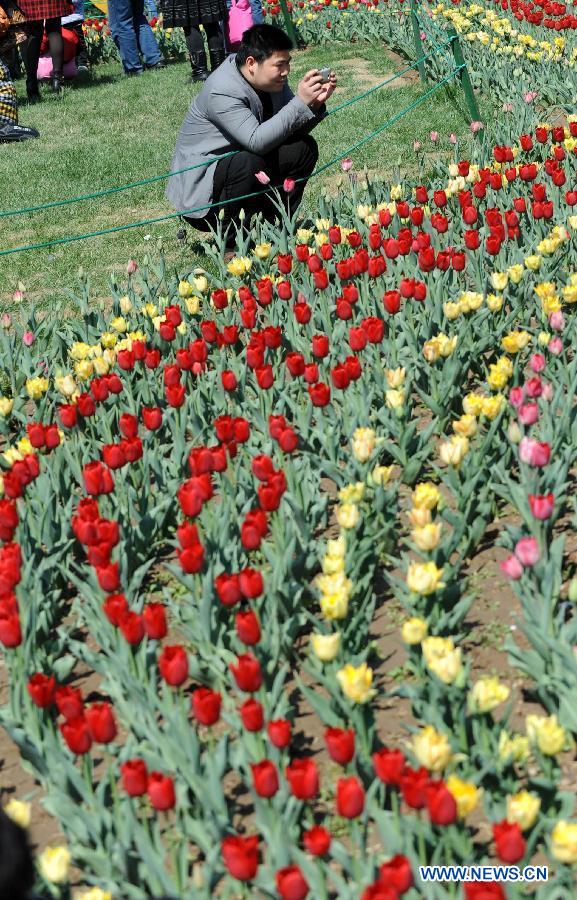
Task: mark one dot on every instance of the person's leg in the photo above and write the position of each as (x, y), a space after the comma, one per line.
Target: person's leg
(216, 47)
(295, 159)
(10, 130)
(54, 32)
(234, 177)
(196, 54)
(31, 56)
(145, 37)
(121, 21)
(256, 8)
(82, 63)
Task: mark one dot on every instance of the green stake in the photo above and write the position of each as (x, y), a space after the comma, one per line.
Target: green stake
(289, 24)
(464, 76)
(418, 42)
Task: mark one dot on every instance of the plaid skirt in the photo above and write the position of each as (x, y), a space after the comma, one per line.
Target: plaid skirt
(8, 100)
(187, 13)
(38, 10)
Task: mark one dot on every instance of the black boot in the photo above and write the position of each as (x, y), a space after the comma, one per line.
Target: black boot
(198, 66)
(57, 82)
(217, 57)
(32, 91)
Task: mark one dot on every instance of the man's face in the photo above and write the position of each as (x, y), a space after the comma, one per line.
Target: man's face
(272, 74)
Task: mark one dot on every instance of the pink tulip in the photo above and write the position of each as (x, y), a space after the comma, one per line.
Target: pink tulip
(533, 387)
(530, 96)
(537, 362)
(555, 345)
(475, 127)
(289, 185)
(28, 338)
(18, 296)
(346, 164)
(528, 413)
(453, 138)
(534, 453)
(6, 321)
(434, 136)
(262, 177)
(131, 266)
(507, 107)
(557, 320)
(516, 396)
(541, 505)
(547, 391)
(527, 551)
(511, 567)
(416, 146)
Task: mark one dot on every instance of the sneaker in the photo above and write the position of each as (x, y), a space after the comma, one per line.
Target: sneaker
(16, 133)
(82, 68)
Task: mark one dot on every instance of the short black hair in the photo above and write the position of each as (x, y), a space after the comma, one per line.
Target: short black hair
(261, 41)
(16, 863)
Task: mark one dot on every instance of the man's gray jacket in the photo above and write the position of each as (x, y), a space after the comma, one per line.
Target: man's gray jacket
(227, 115)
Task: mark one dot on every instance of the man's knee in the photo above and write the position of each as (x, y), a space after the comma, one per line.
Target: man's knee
(246, 162)
(305, 154)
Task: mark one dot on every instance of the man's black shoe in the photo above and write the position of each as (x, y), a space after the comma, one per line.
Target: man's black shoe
(16, 133)
(159, 65)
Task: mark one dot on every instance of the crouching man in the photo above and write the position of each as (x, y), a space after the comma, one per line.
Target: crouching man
(246, 105)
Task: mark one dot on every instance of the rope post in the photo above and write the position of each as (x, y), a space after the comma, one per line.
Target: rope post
(464, 75)
(418, 42)
(289, 24)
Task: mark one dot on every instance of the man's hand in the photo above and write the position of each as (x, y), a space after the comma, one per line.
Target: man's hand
(311, 87)
(327, 88)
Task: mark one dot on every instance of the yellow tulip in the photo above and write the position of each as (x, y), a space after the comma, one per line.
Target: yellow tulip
(414, 630)
(486, 694)
(356, 682)
(424, 578)
(564, 842)
(523, 808)
(465, 793)
(326, 646)
(54, 864)
(432, 749)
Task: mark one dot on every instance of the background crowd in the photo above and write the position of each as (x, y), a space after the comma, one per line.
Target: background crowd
(47, 36)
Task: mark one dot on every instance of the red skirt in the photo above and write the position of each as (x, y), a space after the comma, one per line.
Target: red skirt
(37, 10)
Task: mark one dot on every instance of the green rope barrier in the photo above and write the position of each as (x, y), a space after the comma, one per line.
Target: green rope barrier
(81, 237)
(426, 28)
(125, 187)
(113, 190)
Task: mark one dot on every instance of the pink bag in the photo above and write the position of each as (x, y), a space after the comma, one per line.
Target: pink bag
(239, 20)
(45, 68)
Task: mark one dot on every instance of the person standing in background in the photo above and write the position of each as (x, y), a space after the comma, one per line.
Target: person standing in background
(189, 15)
(10, 130)
(133, 36)
(74, 22)
(43, 15)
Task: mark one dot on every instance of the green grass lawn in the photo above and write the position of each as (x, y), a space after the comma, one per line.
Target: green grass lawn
(113, 130)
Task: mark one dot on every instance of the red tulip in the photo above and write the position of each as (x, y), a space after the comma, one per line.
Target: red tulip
(76, 733)
(441, 804)
(389, 765)
(206, 705)
(101, 723)
(240, 856)
(509, 841)
(161, 791)
(252, 715)
(397, 873)
(42, 689)
(291, 883)
(265, 778)
(247, 673)
(340, 744)
(134, 777)
(350, 797)
(173, 665)
(317, 840)
(303, 778)
(279, 733)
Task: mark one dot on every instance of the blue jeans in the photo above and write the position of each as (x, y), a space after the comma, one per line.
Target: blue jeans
(257, 16)
(132, 34)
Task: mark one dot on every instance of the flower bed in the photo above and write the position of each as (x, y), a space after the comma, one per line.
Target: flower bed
(396, 373)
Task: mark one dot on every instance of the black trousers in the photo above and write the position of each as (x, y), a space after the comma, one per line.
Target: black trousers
(235, 176)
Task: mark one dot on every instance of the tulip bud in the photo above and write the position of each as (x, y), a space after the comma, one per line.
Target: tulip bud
(515, 433)
(572, 593)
